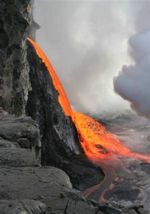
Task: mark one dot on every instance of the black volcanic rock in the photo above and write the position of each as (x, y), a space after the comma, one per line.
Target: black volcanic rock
(42, 190)
(60, 143)
(59, 136)
(8, 144)
(35, 95)
(20, 143)
(38, 183)
(20, 131)
(22, 207)
(15, 18)
(17, 157)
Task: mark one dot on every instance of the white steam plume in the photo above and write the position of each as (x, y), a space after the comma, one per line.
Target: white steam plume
(133, 81)
(86, 41)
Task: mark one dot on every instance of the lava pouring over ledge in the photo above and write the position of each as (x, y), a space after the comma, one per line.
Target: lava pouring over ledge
(98, 144)
(63, 100)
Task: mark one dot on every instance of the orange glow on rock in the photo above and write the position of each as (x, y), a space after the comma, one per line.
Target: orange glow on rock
(98, 144)
(63, 100)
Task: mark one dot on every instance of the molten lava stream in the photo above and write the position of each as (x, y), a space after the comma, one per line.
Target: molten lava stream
(63, 100)
(101, 147)
(104, 150)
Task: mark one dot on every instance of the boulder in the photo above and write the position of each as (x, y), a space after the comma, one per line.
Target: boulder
(20, 132)
(17, 157)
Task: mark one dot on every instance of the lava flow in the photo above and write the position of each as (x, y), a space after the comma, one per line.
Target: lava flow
(98, 144)
(63, 100)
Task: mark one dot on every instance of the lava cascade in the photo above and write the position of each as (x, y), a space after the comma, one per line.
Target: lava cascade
(98, 144)
(63, 100)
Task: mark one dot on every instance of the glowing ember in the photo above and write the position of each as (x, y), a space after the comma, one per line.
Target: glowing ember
(98, 144)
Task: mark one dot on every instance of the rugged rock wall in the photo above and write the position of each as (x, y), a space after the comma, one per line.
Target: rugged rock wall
(15, 18)
(58, 133)
(60, 144)
(26, 87)
(15, 83)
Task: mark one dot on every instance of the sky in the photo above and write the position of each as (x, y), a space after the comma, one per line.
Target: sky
(87, 42)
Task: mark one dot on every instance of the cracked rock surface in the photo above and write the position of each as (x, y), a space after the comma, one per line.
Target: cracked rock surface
(22, 207)
(15, 18)
(28, 188)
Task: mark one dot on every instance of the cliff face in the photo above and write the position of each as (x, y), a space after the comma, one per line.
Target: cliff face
(60, 144)
(27, 88)
(15, 18)
(58, 133)
(34, 94)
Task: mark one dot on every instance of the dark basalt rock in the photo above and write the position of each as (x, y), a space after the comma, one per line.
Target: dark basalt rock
(59, 136)
(44, 108)
(39, 183)
(19, 142)
(21, 130)
(8, 144)
(15, 18)
(60, 143)
(47, 184)
(17, 157)
(35, 95)
(22, 207)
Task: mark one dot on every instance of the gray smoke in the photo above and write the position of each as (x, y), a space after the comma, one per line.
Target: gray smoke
(86, 41)
(133, 81)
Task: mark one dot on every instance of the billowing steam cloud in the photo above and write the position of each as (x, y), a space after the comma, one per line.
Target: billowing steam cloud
(133, 81)
(87, 44)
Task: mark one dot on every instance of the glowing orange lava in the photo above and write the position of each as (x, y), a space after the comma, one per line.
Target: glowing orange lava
(63, 100)
(97, 143)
